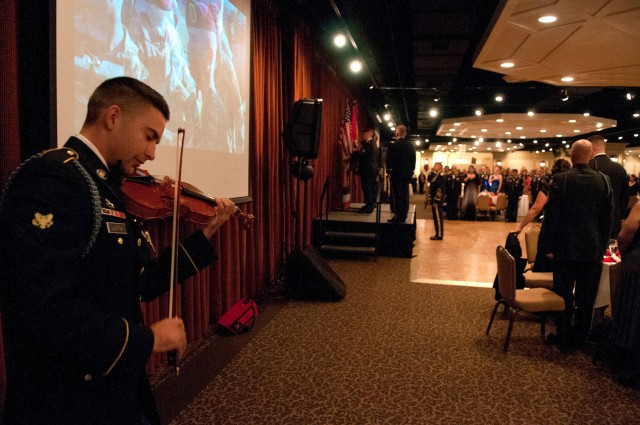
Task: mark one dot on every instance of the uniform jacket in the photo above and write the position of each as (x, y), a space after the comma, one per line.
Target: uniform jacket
(437, 187)
(75, 267)
(578, 215)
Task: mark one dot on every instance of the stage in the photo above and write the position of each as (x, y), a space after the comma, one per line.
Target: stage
(347, 232)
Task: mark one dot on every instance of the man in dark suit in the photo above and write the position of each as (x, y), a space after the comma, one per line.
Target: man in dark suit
(618, 177)
(401, 161)
(368, 170)
(437, 187)
(574, 234)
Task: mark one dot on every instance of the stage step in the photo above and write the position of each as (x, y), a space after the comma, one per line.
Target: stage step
(348, 249)
(331, 234)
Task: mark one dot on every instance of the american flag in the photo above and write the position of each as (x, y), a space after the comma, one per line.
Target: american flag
(347, 139)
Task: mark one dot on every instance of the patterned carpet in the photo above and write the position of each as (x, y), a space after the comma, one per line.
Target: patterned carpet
(395, 352)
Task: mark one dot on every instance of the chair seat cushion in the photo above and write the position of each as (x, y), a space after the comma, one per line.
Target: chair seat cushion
(538, 280)
(538, 299)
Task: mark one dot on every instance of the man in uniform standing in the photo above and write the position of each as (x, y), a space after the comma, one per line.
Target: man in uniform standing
(513, 189)
(368, 170)
(437, 188)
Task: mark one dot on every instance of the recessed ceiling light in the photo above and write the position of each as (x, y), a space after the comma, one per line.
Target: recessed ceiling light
(433, 112)
(507, 132)
(543, 131)
(567, 79)
(447, 134)
(478, 112)
(452, 129)
(499, 98)
(457, 124)
(598, 124)
(522, 137)
(507, 65)
(386, 116)
(636, 115)
(390, 124)
(484, 130)
(499, 120)
(518, 128)
(530, 113)
(586, 114)
(535, 141)
(355, 66)
(340, 40)
(547, 19)
(576, 131)
(572, 120)
(558, 135)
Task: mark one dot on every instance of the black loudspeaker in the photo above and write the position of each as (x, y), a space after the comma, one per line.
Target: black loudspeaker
(301, 134)
(309, 277)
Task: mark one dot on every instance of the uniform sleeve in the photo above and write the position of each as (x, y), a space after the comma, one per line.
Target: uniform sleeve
(195, 253)
(46, 220)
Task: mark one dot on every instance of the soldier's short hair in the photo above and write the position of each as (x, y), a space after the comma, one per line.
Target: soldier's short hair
(129, 94)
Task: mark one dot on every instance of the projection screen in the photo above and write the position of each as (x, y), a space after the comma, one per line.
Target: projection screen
(194, 52)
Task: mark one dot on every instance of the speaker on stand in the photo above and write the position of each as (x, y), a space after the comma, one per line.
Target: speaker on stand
(305, 274)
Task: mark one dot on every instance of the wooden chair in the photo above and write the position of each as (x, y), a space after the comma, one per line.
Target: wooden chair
(535, 300)
(482, 206)
(535, 279)
(501, 205)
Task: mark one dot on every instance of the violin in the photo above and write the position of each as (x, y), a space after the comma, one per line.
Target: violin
(149, 197)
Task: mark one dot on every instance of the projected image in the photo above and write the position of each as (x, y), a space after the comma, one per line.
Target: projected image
(194, 52)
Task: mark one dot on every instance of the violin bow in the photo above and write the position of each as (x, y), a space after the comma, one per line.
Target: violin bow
(172, 356)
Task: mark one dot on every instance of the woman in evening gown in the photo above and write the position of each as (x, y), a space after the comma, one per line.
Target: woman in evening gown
(471, 182)
(622, 346)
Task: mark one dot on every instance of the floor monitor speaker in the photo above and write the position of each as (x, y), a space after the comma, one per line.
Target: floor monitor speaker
(309, 277)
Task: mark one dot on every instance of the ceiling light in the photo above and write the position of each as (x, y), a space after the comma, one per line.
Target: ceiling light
(457, 124)
(433, 112)
(598, 124)
(576, 131)
(387, 116)
(543, 131)
(355, 66)
(507, 65)
(636, 115)
(340, 40)
(572, 120)
(522, 137)
(499, 98)
(565, 95)
(586, 114)
(567, 79)
(499, 120)
(530, 113)
(447, 134)
(393, 129)
(508, 140)
(507, 132)
(518, 128)
(630, 96)
(478, 112)
(535, 141)
(390, 124)
(546, 145)
(547, 19)
(484, 130)
(417, 142)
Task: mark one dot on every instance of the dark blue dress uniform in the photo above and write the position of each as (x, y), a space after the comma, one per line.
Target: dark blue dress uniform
(453, 191)
(513, 189)
(437, 188)
(75, 267)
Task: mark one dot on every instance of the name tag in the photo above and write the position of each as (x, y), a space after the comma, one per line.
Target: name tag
(113, 213)
(117, 228)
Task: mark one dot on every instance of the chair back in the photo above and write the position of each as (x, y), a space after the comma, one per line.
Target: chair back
(531, 236)
(506, 274)
(482, 203)
(501, 202)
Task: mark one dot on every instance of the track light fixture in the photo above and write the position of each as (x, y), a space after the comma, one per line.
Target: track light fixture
(565, 95)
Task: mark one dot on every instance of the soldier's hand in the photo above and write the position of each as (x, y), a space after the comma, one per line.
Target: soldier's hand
(169, 334)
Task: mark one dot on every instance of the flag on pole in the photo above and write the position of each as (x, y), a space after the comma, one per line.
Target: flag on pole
(346, 140)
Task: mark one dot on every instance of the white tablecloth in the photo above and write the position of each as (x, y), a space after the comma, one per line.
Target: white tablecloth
(603, 297)
(523, 205)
